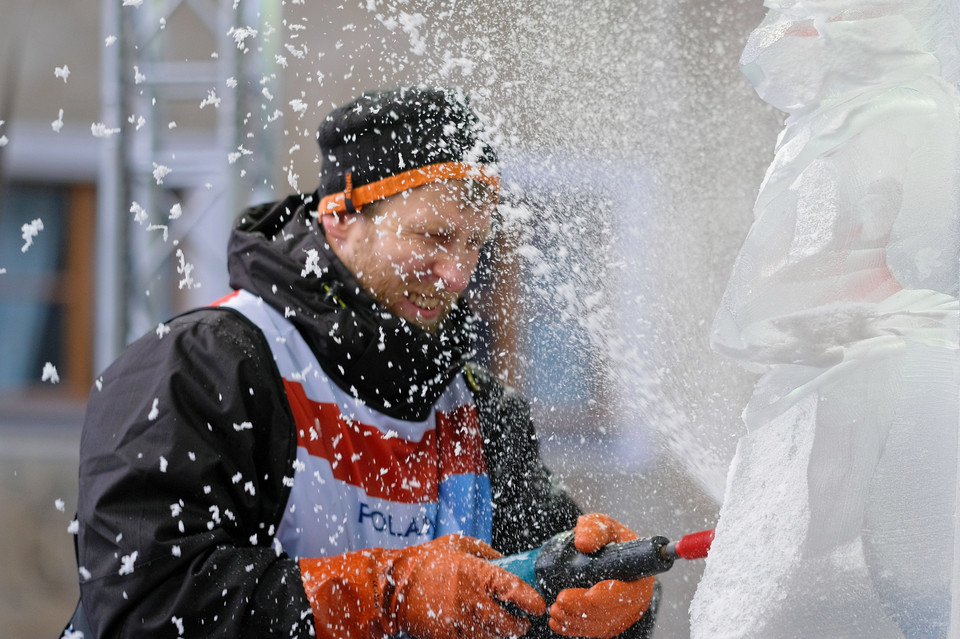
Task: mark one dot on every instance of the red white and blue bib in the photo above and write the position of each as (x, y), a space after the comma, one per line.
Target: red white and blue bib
(364, 479)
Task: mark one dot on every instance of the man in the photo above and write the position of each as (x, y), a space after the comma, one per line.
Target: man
(315, 455)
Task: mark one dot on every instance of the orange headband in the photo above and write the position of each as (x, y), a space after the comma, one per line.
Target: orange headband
(352, 199)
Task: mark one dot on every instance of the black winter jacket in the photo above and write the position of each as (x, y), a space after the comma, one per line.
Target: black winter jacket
(178, 504)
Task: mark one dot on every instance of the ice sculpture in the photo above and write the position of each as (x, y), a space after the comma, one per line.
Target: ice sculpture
(840, 513)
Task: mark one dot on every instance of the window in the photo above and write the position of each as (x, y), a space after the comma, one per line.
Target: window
(46, 289)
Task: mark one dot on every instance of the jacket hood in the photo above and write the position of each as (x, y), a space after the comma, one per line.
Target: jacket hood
(278, 252)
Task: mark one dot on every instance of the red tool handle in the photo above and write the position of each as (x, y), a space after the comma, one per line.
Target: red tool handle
(695, 545)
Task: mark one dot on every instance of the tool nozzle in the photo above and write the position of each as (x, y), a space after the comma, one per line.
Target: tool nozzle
(693, 546)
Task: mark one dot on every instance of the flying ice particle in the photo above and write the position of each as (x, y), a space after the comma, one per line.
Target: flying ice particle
(160, 227)
(160, 171)
(138, 77)
(301, 53)
(185, 269)
(236, 155)
(57, 124)
(240, 34)
(176, 211)
(298, 106)
(178, 622)
(155, 410)
(62, 72)
(312, 265)
(162, 329)
(126, 563)
(109, 40)
(29, 231)
(100, 130)
(163, 464)
(50, 374)
(450, 62)
(411, 23)
(132, 3)
(59, 504)
(139, 213)
(211, 100)
(4, 140)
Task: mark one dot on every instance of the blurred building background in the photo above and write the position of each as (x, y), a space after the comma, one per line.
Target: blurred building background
(135, 130)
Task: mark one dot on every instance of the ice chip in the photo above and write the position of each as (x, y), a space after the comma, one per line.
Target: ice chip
(50, 374)
(160, 171)
(127, 563)
(29, 231)
(101, 130)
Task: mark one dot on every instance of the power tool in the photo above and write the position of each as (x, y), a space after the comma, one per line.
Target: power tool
(557, 564)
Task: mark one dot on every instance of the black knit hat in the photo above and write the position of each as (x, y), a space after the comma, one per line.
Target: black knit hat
(388, 141)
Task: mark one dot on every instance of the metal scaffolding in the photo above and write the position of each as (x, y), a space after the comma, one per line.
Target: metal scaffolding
(189, 139)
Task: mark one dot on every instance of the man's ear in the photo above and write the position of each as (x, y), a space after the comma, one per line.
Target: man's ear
(335, 225)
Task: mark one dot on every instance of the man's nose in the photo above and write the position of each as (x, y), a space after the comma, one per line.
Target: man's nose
(454, 268)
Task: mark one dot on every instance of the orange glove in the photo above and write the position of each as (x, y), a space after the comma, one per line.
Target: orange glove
(609, 607)
(443, 589)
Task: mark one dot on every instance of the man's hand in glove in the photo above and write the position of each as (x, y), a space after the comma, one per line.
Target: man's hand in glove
(609, 607)
(443, 589)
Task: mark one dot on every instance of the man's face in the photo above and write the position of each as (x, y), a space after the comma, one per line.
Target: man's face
(415, 252)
